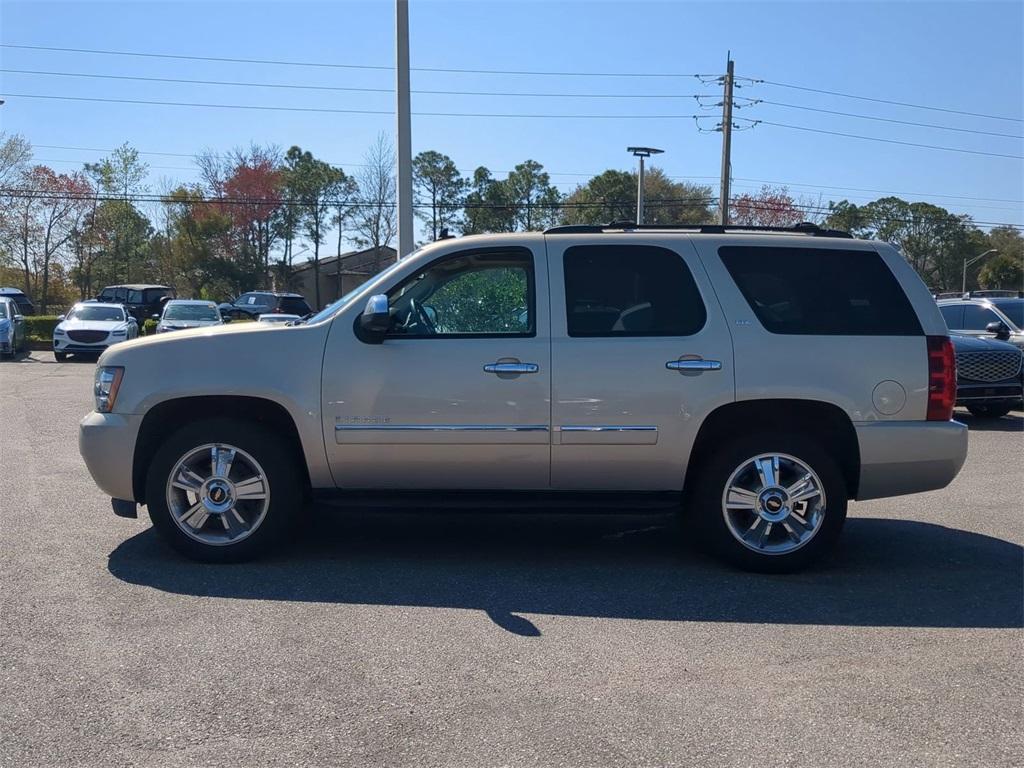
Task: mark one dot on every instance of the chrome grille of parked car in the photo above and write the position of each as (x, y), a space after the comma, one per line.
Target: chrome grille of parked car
(988, 366)
(87, 337)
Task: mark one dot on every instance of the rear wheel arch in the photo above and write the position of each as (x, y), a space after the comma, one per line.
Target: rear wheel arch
(824, 422)
(167, 417)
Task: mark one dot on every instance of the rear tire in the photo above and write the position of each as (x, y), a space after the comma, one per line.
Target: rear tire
(218, 516)
(989, 411)
(768, 502)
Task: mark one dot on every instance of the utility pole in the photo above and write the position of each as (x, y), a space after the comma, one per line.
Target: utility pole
(723, 197)
(404, 140)
(641, 152)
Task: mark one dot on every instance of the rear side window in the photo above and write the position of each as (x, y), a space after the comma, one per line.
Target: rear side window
(295, 306)
(953, 314)
(630, 290)
(821, 292)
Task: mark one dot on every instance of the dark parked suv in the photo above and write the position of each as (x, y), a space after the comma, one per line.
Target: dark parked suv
(256, 303)
(989, 380)
(24, 303)
(141, 301)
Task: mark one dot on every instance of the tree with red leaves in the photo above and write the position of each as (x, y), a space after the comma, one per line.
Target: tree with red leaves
(771, 207)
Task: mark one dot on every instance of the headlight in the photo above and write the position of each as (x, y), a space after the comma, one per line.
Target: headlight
(58, 331)
(119, 332)
(107, 382)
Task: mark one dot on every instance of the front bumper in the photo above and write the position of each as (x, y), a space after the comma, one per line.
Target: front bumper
(107, 443)
(66, 345)
(986, 392)
(900, 457)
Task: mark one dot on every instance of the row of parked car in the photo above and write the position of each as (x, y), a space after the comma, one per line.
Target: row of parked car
(119, 311)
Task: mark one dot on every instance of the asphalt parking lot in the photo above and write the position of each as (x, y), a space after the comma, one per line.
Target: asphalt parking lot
(456, 640)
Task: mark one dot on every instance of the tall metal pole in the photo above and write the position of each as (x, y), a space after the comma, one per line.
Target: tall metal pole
(640, 194)
(723, 198)
(404, 139)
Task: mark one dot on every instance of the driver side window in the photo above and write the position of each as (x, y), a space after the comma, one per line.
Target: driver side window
(476, 293)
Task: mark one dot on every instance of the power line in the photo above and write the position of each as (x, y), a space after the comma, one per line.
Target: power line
(330, 65)
(889, 120)
(884, 101)
(886, 141)
(296, 86)
(791, 184)
(267, 108)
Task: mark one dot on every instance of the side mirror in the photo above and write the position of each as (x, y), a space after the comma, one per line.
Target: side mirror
(152, 317)
(376, 318)
(999, 328)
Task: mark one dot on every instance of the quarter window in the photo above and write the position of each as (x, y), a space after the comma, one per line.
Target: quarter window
(477, 293)
(630, 290)
(953, 314)
(821, 291)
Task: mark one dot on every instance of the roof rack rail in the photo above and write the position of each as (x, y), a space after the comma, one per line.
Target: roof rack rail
(994, 293)
(803, 228)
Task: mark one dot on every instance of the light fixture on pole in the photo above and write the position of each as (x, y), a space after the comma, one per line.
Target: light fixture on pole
(641, 152)
(968, 262)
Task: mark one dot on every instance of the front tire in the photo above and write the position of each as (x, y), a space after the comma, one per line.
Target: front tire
(770, 503)
(224, 491)
(989, 411)
(60, 357)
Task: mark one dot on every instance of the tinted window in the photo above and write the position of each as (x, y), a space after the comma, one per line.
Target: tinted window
(953, 314)
(470, 294)
(630, 290)
(134, 297)
(154, 295)
(295, 306)
(820, 291)
(1013, 309)
(976, 317)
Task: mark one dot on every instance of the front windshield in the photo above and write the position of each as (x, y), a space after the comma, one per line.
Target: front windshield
(3, 311)
(191, 312)
(1014, 310)
(333, 307)
(86, 312)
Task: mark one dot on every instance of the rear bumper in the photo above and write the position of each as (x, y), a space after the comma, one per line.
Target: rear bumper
(107, 443)
(900, 457)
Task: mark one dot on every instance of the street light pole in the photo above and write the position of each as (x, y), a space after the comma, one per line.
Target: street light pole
(403, 138)
(968, 262)
(641, 152)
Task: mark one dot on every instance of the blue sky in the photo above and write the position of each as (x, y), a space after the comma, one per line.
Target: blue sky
(960, 56)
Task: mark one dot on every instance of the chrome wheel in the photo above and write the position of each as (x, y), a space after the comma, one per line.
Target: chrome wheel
(773, 504)
(217, 494)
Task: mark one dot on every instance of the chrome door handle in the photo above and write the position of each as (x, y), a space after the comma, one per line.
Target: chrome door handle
(511, 368)
(694, 365)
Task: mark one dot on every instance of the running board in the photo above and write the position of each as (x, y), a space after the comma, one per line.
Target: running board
(510, 501)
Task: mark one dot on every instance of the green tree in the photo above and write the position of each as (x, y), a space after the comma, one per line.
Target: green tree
(315, 185)
(1003, 271)
(121, 175)
(536, 201)
(611, 196)
(488, 207)
(441, 190)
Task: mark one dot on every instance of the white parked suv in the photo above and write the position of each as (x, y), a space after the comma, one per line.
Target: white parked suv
(753, 380)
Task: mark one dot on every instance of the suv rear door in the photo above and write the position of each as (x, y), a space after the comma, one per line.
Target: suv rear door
(457, 396)
(640, 352)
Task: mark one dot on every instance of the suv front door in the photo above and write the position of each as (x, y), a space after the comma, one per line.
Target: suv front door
(456, 396)
(640, 353)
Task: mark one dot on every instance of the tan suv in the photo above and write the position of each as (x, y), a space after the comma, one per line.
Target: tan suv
(754, 380)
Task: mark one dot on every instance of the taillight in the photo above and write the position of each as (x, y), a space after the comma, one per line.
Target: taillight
(941, 378)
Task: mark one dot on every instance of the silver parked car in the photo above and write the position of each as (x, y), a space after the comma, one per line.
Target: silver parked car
(180, 314)
(12, 328)
(272, 319)
(754, 380)
(992, 317)
(90, 327)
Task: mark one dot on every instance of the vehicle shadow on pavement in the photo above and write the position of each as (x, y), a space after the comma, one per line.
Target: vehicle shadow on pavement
(1009, 423)
(886, 572)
